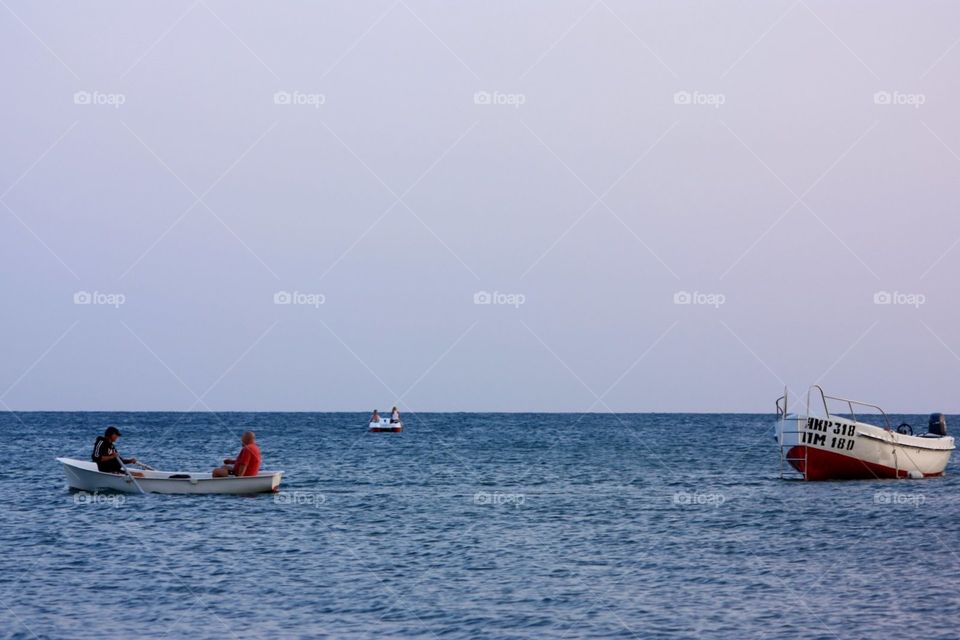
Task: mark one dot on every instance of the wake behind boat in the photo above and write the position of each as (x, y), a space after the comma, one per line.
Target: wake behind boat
(836, 447)
(84, 476)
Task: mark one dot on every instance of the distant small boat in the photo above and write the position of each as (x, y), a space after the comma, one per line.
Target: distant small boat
(84, 476)
(386, 426)
(842, 447)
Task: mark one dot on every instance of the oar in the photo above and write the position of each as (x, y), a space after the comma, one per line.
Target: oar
(127, 471)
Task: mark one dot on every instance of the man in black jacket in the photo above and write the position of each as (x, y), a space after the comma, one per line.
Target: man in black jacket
(105, 454)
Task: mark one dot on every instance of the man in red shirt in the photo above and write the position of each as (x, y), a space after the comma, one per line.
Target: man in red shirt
(247, 462)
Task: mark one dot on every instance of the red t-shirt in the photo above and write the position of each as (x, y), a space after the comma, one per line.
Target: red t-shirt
(250, 456)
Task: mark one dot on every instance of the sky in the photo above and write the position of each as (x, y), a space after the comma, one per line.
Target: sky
(488, 206)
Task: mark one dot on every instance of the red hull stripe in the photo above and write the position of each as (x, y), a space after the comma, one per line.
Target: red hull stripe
(829, 465)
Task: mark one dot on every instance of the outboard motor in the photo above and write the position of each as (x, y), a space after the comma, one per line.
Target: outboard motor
(938, 425)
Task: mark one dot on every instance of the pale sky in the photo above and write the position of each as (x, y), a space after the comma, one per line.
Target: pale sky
(795, 165)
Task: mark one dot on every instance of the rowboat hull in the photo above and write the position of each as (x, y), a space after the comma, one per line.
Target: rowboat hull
(838, 448)
(84, 476)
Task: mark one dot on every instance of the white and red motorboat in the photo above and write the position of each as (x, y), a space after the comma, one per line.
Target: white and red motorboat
(841, 446)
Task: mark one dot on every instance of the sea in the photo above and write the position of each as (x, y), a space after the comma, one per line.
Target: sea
(470, 525)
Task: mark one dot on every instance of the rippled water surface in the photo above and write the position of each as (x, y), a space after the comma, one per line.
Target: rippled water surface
(470, 526)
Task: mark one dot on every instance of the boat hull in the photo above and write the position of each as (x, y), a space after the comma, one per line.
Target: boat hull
(841, 449)
(385, 426)
(817, 464)
(84, 476)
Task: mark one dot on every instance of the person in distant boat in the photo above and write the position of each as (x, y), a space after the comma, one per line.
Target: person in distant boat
(376, 416)
(247, 462)
(105, 454)
(395, 416)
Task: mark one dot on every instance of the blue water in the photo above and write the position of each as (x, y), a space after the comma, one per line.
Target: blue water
(470, 526)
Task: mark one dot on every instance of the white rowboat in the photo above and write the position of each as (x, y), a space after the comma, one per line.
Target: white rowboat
(84, 475)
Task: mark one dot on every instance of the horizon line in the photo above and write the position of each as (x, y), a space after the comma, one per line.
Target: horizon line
(353, 411)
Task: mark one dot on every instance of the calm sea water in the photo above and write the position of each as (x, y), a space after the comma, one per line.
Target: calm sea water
(470, 526)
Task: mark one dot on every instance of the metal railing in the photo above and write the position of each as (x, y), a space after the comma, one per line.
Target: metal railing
(786, 462)
(850, 404)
